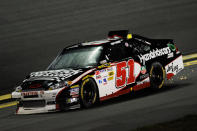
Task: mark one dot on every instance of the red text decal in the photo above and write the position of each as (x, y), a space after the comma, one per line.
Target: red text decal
(121, 74)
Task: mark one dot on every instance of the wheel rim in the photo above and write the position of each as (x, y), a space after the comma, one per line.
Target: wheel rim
(88, 93)
(157, 76)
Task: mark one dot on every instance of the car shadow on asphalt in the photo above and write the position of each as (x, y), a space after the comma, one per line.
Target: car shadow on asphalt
(142, 93)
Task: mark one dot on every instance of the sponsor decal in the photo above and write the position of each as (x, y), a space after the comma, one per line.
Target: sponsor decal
(104, 81)
(122, 78)
(171, 46)
(97, 72)
(105, 76)
(172, 68)
(110, 78)
(143, 69)
(104, 65)
(103, 70)
(75, 96)
(153, 54)
(109, 69)
(57, 74)
(98, 77)
(170, 55)
(144, 76)
(74, 91)
(110, 73)
(32, 93)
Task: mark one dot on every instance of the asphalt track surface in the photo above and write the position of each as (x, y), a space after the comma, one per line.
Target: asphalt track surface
(32, 32)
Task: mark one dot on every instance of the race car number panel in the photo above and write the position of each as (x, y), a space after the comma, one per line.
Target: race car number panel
(127, 72)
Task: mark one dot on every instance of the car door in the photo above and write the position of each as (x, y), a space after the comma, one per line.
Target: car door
(123, 71)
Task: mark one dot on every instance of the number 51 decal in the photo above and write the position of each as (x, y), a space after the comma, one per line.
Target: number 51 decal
(121, 76)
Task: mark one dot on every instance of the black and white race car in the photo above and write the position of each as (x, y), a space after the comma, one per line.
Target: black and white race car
(86, 73)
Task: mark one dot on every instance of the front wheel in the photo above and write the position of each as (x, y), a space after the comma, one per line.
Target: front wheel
(157, 75)
(88, 93)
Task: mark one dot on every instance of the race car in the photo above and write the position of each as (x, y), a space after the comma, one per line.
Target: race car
(90, 72)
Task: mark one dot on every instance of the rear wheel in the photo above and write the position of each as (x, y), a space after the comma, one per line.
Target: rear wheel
(157, 75)
(88, 93)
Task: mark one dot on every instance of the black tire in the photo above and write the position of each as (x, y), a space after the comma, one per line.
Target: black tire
(157, 75)
(88, 93)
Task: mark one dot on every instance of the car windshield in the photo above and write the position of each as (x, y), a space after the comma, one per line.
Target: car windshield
(83, 57)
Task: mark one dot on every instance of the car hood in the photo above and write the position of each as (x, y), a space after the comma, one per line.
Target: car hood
(58, 75)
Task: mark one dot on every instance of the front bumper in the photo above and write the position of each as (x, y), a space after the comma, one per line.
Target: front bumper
(31, 102)
(36, 101)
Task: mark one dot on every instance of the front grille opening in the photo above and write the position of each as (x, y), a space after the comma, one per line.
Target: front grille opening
(33, 103)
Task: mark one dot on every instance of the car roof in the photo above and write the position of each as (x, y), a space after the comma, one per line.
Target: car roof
(108, 41)
(93, 43)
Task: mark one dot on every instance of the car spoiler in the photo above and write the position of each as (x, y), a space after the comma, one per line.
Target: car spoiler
(119, 33)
